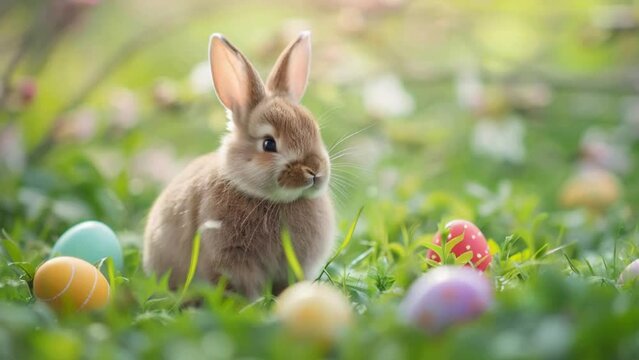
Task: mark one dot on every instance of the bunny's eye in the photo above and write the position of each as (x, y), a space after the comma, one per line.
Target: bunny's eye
(269, 145)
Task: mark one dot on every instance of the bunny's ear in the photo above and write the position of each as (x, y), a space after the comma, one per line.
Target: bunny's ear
(237, 84)
(290, 74)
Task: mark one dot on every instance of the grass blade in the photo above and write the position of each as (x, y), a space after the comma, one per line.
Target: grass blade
(347, 239)
(405, 236)
(289, 251)
(361, 257)
(571, 264)
(592, 271)
(111, 271)
(195, 254)
(344, 244)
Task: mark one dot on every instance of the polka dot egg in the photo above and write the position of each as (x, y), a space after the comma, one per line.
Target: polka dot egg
(69, 284)
(473, 241)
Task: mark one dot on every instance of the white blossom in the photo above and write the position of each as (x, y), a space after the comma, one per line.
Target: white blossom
(385, 96)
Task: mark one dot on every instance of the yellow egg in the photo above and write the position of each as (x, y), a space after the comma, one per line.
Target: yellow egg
(68, 284)
(314, 311)
(593, 189)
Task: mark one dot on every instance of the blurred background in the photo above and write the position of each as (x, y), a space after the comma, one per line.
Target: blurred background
(434, 107)
(520, 116)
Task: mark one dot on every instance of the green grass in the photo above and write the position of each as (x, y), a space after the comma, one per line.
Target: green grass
(397, 178)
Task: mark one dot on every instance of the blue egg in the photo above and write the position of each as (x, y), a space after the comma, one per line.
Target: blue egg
(445, 296)
(90, 241)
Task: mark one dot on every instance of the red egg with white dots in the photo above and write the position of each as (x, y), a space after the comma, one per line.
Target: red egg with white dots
(473, 241)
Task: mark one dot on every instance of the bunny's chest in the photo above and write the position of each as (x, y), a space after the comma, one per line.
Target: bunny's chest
(256, 229)
(246, 230)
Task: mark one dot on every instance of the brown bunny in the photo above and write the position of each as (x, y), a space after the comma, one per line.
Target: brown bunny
(271, 170)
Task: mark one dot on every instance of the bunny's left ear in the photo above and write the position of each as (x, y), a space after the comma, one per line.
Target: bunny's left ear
(290, 73)
(237, 84)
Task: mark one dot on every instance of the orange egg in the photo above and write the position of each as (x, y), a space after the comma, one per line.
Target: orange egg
(68, 284)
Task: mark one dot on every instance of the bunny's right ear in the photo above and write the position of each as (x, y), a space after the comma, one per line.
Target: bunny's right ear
(237, 84)
(290, 73)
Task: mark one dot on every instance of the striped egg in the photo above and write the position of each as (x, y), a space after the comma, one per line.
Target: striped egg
(69, 284)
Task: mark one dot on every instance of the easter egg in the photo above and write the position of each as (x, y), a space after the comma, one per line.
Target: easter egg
(90, 241)
(473, 241)
(68, 284)
(446, 295)
(314, 311)
(594, 189)
(630, 273)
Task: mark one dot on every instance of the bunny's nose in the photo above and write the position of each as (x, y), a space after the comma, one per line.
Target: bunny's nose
(310, 174)
(298, 175)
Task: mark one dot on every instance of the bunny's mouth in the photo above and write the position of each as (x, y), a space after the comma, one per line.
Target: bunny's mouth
(316, 187)
(311, 189)
(313, 192)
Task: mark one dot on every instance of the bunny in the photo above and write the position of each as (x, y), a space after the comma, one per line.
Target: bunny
(271, 171)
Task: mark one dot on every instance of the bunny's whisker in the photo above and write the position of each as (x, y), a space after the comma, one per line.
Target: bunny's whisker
(351, 171)
(346, 170)
(349, 151)
(339, 195)
(325, 115)
(342, 186)
(346, 137)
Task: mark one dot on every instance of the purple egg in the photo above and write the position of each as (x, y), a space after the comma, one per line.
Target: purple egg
(630, 273)
(446, 295)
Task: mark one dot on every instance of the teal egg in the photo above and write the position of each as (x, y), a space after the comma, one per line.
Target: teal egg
(90, 241)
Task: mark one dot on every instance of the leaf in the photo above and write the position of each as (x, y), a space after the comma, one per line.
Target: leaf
(158, 303)
(450, 259)
(290, 255)
(397, 249)
(431, 263)
(520, 256)
(509, 243)
(450, 244)
(11, 249)
(493, 247)
(26, 267)
(464, 258)
(437, 249)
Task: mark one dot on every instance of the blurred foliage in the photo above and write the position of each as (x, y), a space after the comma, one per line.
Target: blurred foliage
(521, 116)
